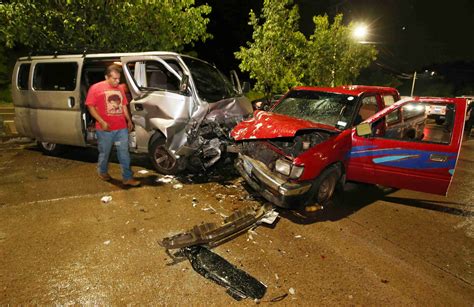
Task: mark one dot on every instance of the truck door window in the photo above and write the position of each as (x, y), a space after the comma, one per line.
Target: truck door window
(55, 76)
(23, 76)
(388, 100)
(419, 123)
(368, 108)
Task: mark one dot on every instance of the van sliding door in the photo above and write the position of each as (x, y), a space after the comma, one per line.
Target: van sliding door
(55, 107)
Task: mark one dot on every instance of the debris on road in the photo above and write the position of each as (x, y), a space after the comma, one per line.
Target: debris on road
(107, 242)
(292, 291)
(177, 186)
(106, 199)
(143, 171)
(165, 179)
(239, 284)
(213, 234)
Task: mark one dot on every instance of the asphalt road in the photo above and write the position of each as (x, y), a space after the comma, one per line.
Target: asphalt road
(59, 244)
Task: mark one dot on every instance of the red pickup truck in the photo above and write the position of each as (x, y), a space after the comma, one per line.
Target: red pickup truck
(314, 139)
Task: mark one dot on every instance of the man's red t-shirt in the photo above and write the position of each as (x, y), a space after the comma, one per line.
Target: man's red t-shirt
(110, 103)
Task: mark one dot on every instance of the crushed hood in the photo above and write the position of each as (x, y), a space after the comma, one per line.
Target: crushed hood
(266, 125)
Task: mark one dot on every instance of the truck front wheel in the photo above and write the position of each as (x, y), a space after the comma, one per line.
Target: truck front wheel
(326, 184)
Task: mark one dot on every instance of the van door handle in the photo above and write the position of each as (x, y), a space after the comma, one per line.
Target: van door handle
(71, 102)
(438, 158)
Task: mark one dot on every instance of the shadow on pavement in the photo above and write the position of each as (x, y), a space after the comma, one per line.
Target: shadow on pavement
(357, 196)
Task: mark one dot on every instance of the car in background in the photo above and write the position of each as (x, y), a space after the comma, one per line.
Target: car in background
(315, 139)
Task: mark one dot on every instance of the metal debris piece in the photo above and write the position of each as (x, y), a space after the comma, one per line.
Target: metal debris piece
(213, 234)
(239, 284)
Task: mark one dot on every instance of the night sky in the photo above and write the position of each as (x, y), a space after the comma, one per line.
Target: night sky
(410, 34)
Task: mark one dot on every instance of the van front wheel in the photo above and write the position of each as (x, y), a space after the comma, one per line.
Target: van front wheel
(51, 149)
(162, 159)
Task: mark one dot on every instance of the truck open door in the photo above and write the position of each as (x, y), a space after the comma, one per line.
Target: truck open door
(411, 151)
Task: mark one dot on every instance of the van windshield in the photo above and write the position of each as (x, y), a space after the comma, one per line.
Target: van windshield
(211, 84)
(321, 107)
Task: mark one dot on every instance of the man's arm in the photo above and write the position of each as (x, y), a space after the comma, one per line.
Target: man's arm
(127, 117)
(98, 118)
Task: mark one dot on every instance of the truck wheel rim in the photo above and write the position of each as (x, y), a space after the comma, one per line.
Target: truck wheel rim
(326, 188)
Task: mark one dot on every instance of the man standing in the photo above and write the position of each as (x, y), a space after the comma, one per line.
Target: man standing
(107, 103)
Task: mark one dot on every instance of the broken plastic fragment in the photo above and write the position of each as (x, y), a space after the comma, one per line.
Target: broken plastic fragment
(239, 284)
(106, 199)
(177, 186)
(292, 291)
(269, 217)
(165, 179)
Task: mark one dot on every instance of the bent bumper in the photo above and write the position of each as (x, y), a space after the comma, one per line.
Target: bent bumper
(274, 189)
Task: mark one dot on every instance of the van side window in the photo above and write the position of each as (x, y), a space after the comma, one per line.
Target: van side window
(154, 75)
(55, 76)
(23, 76)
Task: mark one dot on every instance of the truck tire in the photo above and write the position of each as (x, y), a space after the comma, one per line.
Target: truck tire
(50, 149)
(164, 162)
(326, 184)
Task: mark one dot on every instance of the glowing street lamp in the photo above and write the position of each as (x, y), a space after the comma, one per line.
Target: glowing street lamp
(360, 32)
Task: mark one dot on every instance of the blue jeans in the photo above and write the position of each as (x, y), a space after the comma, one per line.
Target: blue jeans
(105, 141)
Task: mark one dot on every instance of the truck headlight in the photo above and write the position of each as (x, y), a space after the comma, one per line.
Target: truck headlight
(288, 169)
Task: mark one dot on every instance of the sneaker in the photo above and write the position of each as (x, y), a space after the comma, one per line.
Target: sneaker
(105, 177)
(131, 182)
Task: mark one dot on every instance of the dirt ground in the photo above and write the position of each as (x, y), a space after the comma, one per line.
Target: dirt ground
(59, 244)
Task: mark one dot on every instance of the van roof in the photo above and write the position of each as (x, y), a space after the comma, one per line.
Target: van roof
(99, 55)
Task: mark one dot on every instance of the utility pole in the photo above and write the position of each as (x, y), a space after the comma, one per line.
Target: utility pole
(413, 84)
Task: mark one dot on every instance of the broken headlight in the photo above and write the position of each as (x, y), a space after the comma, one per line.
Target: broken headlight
(288, 169)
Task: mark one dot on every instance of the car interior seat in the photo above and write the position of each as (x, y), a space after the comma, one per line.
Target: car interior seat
(157, 79)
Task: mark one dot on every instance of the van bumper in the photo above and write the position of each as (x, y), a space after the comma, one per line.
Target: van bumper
(273, 188)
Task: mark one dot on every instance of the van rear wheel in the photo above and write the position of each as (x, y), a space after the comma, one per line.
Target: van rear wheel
(163, 160)
(51, 149)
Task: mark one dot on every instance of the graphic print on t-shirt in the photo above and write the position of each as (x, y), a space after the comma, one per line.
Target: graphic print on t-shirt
(113, 101)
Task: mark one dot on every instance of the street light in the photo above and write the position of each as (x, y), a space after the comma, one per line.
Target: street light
(360, 32)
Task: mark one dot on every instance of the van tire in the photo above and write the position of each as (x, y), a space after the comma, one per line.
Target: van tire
(326, 184)
(50, 149)
(163, 161)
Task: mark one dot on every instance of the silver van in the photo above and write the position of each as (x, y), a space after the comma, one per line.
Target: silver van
(183, 108)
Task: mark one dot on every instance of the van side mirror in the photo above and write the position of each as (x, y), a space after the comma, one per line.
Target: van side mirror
(245, 87)
(184, 84)
(364, 129)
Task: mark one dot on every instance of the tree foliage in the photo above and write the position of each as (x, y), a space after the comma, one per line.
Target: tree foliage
(333, 56)
(100, 25)
(280, 56)
(274, 55)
